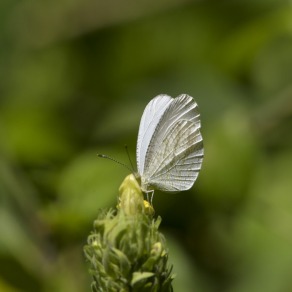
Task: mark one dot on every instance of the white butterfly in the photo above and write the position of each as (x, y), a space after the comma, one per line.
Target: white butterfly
(170, 146)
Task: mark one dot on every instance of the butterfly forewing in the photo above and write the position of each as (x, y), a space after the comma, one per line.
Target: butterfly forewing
(150, 118)
(181, 108)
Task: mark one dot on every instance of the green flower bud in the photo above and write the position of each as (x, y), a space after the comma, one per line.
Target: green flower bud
(126, 251)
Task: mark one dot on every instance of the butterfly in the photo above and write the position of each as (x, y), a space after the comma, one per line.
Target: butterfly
(170, 148)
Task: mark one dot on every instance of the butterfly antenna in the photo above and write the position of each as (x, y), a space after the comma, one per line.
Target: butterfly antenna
(126, 147)
(112, 159)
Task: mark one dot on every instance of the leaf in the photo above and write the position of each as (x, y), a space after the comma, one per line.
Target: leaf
(140, 276)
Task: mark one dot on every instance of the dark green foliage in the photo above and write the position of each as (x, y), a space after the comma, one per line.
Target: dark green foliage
(75, 77)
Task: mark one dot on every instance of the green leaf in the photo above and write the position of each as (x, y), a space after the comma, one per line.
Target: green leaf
(140, 276)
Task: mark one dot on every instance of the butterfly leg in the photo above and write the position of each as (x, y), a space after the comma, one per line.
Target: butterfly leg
(152, 194)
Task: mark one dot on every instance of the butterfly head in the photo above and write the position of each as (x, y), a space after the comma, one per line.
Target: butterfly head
(145, 185)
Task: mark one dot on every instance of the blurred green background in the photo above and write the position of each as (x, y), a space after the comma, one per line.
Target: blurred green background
(75, 77)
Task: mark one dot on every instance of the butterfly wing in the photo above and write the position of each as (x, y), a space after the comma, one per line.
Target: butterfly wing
(175, 152)
(150, 118)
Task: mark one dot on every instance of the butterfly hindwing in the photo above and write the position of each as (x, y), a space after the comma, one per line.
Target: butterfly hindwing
(176, 165)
